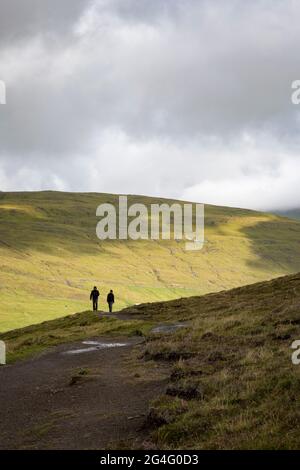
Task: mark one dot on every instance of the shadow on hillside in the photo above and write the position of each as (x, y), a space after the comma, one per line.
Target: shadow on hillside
(46, 221)
(65, 221)
(275, 244)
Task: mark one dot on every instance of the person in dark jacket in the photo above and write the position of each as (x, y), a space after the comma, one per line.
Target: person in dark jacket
(94, 297)
(110, 300)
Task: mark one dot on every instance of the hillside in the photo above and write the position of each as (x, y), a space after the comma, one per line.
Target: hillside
(50, 256)
(224, 381)
(291, 214)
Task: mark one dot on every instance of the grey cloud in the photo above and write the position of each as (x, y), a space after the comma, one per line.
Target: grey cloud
(174, 93)
(21, 19)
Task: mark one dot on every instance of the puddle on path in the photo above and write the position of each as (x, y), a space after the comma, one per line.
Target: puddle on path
(168, 328)
(95, 346)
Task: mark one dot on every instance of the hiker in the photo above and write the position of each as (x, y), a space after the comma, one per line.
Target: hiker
(94, 297)
(110, 300)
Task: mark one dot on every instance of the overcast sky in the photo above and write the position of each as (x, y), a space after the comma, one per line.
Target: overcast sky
(176, 98)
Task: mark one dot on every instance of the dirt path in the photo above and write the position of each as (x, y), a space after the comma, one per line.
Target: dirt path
(93, 400)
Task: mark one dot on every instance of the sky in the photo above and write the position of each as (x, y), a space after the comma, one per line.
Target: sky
(189, 99)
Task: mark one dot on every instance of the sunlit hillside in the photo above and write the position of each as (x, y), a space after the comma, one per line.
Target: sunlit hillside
(50, 256)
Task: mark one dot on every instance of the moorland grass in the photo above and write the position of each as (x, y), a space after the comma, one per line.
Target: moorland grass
(232, 384)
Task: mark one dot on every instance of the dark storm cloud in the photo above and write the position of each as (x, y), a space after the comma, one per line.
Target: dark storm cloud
(20, 19)
(184, 98)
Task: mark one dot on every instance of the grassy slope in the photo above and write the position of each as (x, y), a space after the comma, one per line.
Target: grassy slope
(237, 355)
(50, 256)
(292, 213)
(232, 383)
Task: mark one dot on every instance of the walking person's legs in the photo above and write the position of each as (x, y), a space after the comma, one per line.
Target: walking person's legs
(110, 305)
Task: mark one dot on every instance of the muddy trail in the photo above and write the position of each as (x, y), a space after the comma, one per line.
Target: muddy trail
(85, 395)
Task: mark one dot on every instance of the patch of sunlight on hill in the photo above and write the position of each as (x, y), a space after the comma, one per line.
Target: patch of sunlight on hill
(27, 210)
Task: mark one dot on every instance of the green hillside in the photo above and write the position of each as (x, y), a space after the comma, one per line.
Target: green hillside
(50, 256)
(292, 213)
(231, 381)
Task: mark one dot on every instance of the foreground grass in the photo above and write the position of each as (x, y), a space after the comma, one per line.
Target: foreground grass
(28, 341)
(232, 384)
(50, 256)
